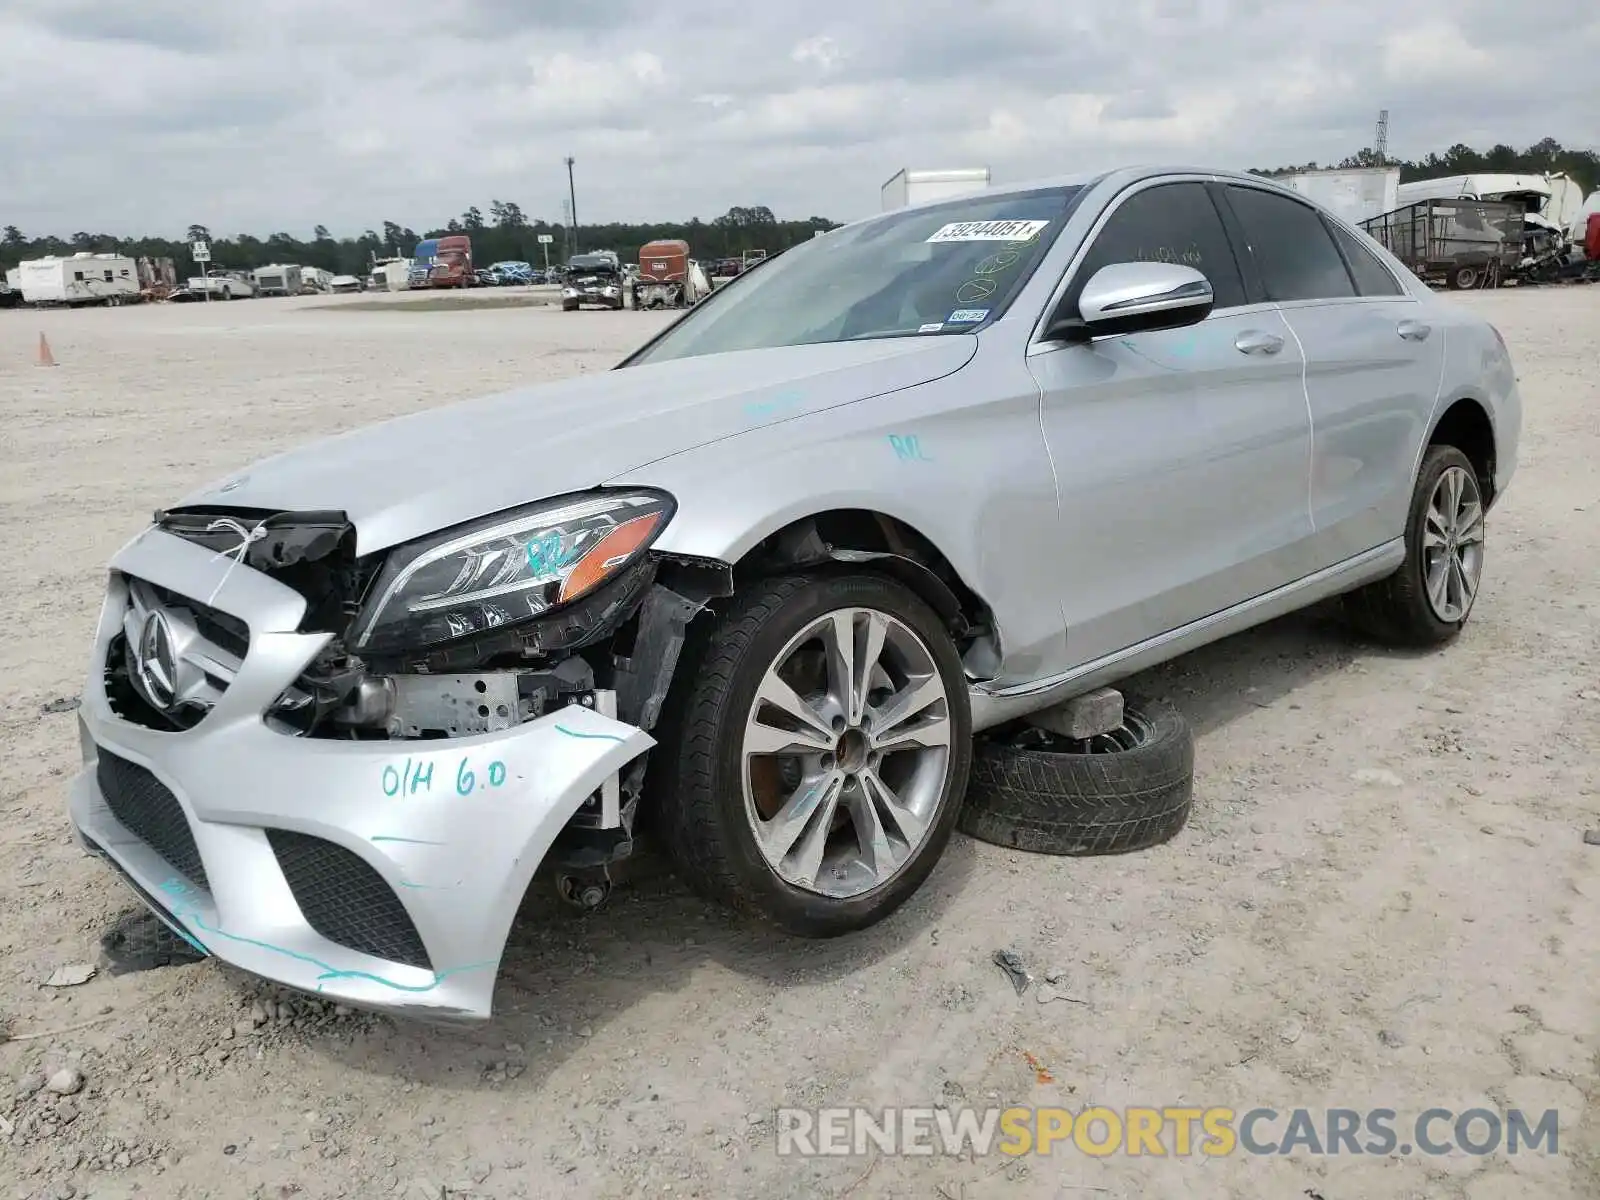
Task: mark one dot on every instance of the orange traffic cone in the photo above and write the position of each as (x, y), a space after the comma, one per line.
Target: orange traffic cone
(46, 359)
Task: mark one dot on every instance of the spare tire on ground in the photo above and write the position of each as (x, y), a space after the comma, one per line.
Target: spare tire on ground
(1126, 790)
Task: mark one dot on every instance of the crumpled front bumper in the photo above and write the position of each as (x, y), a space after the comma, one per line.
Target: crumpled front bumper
(452, 829)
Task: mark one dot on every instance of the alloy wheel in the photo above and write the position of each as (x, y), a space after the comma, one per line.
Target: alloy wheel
(1452, 544)
(846, 753)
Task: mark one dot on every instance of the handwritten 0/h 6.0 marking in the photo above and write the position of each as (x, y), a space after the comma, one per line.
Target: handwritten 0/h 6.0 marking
(412, 777)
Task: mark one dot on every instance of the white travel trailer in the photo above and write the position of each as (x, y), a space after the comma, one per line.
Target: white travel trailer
(315, 279)
(84, 278)
(914, 187)
(278, 279)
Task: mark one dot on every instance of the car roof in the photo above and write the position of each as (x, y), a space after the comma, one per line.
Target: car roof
(1116, 179)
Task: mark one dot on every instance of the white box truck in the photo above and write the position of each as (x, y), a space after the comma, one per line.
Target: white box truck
(916, 187)
(1357, 194)
(84, 278)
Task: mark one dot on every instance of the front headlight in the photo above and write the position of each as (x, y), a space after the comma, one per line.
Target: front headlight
(571, 291)
(611, 291)
(507, 569)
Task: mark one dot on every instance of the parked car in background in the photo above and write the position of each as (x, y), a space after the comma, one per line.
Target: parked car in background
(945, 467)
(223, 285)
(512, 273)
(345, 283)
(593, 279)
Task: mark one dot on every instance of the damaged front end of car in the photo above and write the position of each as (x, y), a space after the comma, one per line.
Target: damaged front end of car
(536, 645)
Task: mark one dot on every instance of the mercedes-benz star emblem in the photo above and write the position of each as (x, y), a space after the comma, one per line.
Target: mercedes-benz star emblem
(157, 661)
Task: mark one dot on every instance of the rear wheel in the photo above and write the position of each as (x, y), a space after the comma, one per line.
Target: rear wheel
(816, 756)
(1428, 600)
(1462, 279)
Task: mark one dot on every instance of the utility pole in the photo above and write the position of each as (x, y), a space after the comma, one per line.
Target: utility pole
(1380, 140)
(572, 197)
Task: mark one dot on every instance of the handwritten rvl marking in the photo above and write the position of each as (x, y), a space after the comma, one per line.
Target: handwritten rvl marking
(907, 448)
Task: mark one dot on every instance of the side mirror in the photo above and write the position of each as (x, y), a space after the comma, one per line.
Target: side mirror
(1136, 297)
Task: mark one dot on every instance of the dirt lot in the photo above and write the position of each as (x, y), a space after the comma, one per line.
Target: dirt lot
(1383, 899)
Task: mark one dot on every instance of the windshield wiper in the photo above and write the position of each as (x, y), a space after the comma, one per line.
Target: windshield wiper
(893, 333)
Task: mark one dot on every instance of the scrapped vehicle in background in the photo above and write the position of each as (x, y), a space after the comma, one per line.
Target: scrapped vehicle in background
(668, 277)
(760, 585)
(592, 279)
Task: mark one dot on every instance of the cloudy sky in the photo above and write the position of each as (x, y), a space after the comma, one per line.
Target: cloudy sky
(127, 116)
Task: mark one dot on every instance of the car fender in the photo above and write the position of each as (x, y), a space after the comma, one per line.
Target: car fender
(973, 478)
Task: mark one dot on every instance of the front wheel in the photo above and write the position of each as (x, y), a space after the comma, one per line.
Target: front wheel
(1428, 600)
(816, 752)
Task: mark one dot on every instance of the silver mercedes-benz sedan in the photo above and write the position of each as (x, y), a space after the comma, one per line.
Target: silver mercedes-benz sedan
(759, 586)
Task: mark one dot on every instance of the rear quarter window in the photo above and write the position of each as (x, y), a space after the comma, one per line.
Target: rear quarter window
(1371, 276)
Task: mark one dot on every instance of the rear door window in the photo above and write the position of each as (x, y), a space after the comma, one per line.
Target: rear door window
(1293, 250)
(1171, 223)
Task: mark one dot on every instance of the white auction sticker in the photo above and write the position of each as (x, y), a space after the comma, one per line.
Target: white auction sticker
(931, 327)
(988, 231)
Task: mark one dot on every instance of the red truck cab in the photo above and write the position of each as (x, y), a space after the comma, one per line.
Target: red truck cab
(452, 262)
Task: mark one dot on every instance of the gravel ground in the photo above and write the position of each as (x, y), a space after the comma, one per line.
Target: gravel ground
(1383, 898)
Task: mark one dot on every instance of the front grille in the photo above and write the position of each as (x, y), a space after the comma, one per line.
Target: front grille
(345, 900)
(203, 650)
(216, 626)
(149, 811)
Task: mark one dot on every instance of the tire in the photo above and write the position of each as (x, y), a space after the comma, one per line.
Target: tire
(709, 803)
(566, 307)
(1399, 608)
(1461, 279)
(1034, 791)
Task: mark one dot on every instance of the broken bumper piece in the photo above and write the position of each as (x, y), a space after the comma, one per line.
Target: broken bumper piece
(382, 874)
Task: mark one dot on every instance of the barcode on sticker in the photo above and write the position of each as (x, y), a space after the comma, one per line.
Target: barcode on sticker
(988, 231)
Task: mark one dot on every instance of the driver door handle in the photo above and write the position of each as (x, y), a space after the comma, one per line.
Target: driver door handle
(1414, 331)
(1256, 341)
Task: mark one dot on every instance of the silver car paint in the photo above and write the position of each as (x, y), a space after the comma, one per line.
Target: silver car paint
(1114, 503)
(460, 856)
(417, 474)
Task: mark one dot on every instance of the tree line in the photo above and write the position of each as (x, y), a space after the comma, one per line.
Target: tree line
(504, 234)
(1547, 155)
(507, 233)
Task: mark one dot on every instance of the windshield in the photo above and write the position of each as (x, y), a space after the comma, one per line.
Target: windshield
(947, 268)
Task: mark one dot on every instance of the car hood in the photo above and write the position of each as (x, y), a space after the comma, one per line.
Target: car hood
(417, 474)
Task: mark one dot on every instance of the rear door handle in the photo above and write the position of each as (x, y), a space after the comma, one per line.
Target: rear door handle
(1257, 341)
(1414, 331)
